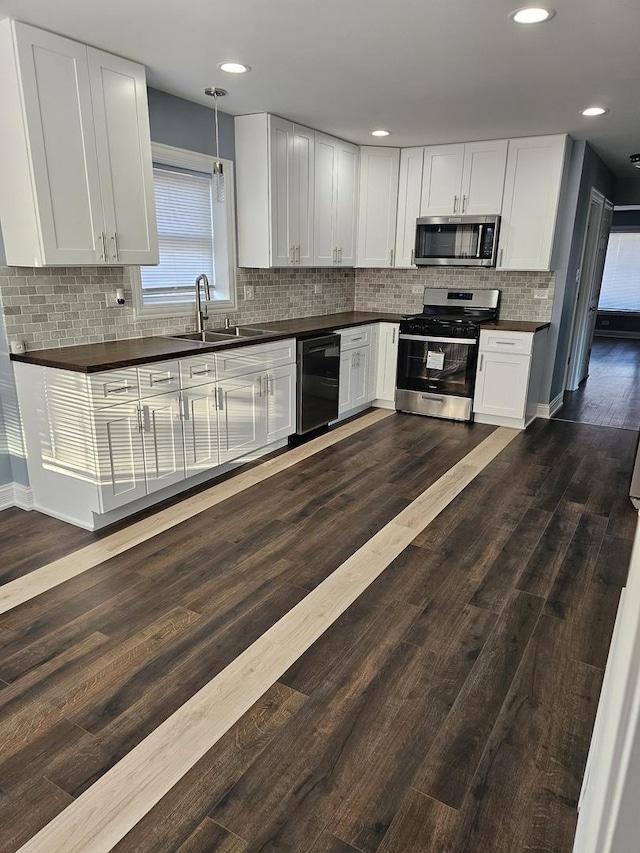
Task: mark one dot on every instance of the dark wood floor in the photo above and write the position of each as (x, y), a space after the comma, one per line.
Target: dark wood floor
(448, 709)
(610, 396)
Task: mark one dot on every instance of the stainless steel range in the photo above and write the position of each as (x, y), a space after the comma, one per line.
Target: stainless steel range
(438, 352)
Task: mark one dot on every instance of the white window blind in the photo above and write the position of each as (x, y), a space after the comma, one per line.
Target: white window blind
(184, 211)
(621, 278)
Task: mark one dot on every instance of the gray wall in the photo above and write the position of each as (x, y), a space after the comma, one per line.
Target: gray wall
(628, 189)
(184, 124)
(586, 171)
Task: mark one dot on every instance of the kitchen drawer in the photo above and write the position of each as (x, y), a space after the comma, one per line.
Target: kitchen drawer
(356, 337)
(236, 362)
(519, 343)
(159, 377)
(197, 370)
(110, 387)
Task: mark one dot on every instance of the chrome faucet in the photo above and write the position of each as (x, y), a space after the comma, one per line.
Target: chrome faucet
(201, 315)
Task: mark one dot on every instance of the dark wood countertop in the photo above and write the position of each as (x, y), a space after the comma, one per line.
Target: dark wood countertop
(515, 326)
(92, 358)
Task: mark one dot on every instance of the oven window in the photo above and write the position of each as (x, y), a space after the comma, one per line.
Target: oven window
(434, 366)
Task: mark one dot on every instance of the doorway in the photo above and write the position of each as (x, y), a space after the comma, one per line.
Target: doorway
(590, 282)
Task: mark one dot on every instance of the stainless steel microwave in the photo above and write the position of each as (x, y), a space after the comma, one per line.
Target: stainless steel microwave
(460, 241)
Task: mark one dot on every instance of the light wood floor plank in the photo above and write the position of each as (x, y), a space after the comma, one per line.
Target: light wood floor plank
(40, 580)
(103, 815)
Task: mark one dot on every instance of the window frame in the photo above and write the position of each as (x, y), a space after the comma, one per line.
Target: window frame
(182, 158)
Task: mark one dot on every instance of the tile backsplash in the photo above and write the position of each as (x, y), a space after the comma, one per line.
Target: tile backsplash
(400, 291)
(58, 306)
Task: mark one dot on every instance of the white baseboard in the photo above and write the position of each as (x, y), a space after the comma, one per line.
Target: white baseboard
(13, 494)
(548, 410)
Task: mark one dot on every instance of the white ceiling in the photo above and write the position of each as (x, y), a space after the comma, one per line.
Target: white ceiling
(430, 71)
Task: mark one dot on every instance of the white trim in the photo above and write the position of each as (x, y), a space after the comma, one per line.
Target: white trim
(13, 494)
(548, 410)
(181, 157)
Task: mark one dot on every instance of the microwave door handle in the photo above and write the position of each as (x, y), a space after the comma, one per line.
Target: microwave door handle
(480, 233)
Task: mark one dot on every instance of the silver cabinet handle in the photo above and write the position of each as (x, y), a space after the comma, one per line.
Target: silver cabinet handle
(270, 386)
(500, 258)
(505, 343)
(297, 254)
(455, 204)
(138, 426)
(205, 372)
(393, 335)
(464, 203)
(413, 256)
(340, 256)
(292, 254)
(391, 254)
(116, 253)
(146, 419)
(220, 399)
(162, 378)
(259, 386)
(184, 403)
(119, 389)
(335, 256)
(481, 362)
(102, 256)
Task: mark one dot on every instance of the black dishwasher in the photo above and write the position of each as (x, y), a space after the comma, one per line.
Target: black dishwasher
(318, 381)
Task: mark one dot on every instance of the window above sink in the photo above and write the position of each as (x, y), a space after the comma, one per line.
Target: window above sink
(196, 235)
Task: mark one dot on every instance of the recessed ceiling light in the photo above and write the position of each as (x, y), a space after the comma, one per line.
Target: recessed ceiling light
(594, 111)
(380, 132)
(234, 67)
(532, 15)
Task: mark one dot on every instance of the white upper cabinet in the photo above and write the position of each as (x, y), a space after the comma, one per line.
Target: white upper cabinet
(121, 120)
(464, 179)
(378, 206)
(336, 184)
(535, 167)
(75, 153)
(442, 180)
(483, 177)
(275, 192)
(410, 184)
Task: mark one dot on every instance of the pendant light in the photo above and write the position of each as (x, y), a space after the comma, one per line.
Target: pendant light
(219, 189)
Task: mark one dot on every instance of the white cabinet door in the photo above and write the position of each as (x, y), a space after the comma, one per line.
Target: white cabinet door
(386, 362)
(242, 416)
(162, 437)
(301, 200)
(347, 382)
(63, 194)
(442, 180)
(121, 119)
(120, 455)
(281, 402)
(483, 177)
(325, 193)
(346, 203)
(200, 427)
(533, 181)
(378, 206)
(362, 389)
(280, 174)
(411, 163)
(502, 384)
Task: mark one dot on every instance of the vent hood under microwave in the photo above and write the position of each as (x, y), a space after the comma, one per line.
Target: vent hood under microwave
(461, 241)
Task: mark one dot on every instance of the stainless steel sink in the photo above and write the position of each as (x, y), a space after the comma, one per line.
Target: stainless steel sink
(242, 332)
(205, 337)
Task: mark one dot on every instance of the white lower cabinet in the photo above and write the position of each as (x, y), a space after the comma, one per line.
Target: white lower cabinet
(355, 379)
(200, 428)
(241, 415)
(161, 418)
(386, 364)
(509, 376)
(281, 403)
(119, 454)
(91, 453)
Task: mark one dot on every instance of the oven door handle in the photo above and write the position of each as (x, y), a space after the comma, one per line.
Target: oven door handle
(435, 340)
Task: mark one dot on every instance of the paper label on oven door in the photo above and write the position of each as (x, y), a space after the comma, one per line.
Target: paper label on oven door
(435, 360)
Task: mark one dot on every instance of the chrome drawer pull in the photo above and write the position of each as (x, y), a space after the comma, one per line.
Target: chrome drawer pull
(120, 389)
(433, 399)
(204, 372)
(160, 380)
